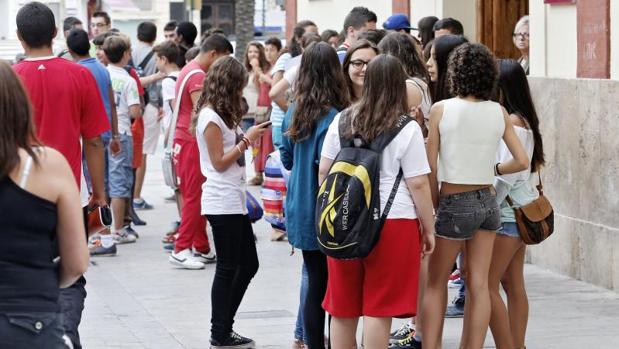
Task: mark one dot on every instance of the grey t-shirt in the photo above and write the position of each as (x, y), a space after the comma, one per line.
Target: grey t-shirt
(139, 53)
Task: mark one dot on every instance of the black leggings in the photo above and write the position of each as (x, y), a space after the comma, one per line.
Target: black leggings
(314, 314)
(237, 263)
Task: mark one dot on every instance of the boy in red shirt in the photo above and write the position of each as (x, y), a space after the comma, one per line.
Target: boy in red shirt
(192, 231)
(67, 107)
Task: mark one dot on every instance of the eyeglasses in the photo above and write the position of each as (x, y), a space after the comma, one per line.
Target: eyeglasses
(358, 64)
(523, 36)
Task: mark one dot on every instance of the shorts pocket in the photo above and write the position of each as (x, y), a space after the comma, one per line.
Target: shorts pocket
(33, 322)
(464, 223)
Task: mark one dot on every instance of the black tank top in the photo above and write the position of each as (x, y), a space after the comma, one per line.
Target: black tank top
(28, 275)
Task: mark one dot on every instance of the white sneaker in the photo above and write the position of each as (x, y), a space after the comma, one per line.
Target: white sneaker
(186, 260)
(123, 237)
(206, 258)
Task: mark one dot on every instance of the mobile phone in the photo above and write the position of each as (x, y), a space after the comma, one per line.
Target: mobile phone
(265, 124)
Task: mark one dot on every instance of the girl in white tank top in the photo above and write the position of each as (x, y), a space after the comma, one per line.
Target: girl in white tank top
(464, 135)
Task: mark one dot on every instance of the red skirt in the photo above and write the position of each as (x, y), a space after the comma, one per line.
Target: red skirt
(384, 284)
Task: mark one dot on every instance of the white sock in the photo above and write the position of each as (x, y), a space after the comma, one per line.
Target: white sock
(107, 240)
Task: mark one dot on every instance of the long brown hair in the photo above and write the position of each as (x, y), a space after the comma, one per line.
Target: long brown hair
(383, 100)
(223, 91)
(320, 86)
(17, 130)
(262, 58)
(358, 45)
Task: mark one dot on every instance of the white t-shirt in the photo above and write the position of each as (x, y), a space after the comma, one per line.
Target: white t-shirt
(125, 95)
(168, 93)
(291, 75)
(406, 151)
(222, 192)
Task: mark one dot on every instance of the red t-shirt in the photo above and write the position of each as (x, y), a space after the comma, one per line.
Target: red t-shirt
(66, 105)
(186, 108)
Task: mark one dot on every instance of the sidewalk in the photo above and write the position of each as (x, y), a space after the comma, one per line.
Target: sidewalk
(139, 300)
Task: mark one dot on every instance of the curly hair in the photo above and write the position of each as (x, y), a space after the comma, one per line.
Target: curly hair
(223, 91)
(319, 87)
(472, 71)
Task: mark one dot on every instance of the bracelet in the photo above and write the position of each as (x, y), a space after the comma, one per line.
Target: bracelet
(496, 169)
(246, 141)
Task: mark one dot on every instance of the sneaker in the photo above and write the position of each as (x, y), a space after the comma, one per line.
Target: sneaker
(97, 250)
(234, 340)
(455, 275)
(136, 220)
(457, 283)
(186, 260)
(141, 204)
(456, 309)
(402, 333)
(123, 237)
(407, 343)
(206, 258)
(131, 231)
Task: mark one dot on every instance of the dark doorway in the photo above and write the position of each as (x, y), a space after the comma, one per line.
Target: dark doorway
(218, 14)
(495, 24)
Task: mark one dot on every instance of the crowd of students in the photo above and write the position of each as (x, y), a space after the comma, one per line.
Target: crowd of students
(467, 143)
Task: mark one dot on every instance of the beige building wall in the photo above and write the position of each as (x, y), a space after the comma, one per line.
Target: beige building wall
(462, 10)
(330, 14)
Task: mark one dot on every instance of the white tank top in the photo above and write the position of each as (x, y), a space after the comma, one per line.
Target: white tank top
(470, 133)
(426, 101)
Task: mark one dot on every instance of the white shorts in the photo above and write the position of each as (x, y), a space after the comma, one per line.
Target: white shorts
(151, 129)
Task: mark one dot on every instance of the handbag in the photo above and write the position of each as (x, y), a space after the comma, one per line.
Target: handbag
(263, 105)
(535, 220)
(167, 162)
(99, 219)
(254, 210)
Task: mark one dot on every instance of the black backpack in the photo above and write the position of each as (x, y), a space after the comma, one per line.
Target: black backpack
(348, 214)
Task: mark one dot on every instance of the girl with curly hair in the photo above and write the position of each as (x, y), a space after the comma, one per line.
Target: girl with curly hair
(320, 92)
(465, 132)
(509, 328)
(222, 147)
(437, 64)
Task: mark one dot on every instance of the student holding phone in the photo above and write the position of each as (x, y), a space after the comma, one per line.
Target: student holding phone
(222, 147)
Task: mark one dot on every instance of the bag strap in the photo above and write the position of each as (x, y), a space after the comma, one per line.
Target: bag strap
(394, 191)
(382, 141)
(169, 140)
(145, 61)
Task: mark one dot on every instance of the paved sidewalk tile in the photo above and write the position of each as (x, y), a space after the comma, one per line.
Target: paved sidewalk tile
(139, 300)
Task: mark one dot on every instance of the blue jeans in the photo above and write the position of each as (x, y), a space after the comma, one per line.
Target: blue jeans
(509, 229)
(299, 330)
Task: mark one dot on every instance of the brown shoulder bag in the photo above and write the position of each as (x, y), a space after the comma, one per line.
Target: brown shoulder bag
(535, 220)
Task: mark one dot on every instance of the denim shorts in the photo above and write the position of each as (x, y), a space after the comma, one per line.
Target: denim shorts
(121, 172)
(509, 229)
(460, 215)
(26, 330)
